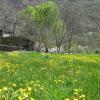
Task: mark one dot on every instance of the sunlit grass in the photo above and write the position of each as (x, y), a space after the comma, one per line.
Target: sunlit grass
(43, 76)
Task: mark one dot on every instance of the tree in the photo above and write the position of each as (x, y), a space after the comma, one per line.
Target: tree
(71, 19)
(59, 31)
(26, 25)
(8, 15)
(39, 19)
(45, 16)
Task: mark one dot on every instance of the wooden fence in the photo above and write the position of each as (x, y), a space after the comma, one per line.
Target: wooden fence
(10, 48)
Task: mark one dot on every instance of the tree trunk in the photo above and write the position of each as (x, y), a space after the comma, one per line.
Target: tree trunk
(38, 47)
(14, 26)
(69, 47)
(45, 44)
(57, 48)
(46, 48)
(20, 47)
(33, 46)
(69, 42)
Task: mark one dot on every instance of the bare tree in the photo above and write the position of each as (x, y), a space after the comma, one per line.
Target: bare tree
(59, 33)
(71, 19)
(8, 16)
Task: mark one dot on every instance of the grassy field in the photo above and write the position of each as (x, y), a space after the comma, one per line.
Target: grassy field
(40, 76)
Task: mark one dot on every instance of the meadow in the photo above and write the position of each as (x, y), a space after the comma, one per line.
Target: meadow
(45, 76)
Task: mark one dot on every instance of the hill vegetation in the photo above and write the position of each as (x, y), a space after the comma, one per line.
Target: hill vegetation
(76, 28)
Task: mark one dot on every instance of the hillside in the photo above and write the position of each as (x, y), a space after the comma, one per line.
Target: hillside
(84, 30)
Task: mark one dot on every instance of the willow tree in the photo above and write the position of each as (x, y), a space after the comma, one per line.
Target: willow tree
(40, 19)
(45, 17)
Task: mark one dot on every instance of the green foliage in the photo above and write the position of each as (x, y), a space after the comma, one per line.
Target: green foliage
(46, 13)
(43, 14)
(59, 27)
(59, 31)
(29, 11)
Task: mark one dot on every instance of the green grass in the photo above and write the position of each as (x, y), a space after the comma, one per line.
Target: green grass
(28, 75)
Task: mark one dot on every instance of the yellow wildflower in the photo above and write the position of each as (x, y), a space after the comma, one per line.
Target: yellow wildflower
(32, 99)
(20, 98)
(67, 98)
(76, 90)
(0, 90)
(5, 89)
(21, 90)
(59, 81)
(83, 96)
(14, 85)
(25, 95)
(75, 93)
(31, 82)
(29, 89)
(75, 99)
